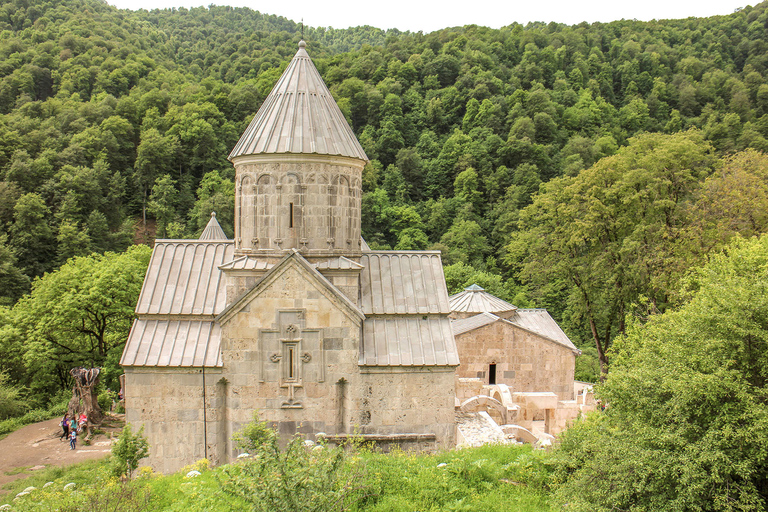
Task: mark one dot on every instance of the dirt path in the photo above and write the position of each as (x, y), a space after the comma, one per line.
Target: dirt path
(37, 446)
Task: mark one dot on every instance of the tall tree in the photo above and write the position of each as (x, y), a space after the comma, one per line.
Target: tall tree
(687, 421)
(79, 315)
(610, 235)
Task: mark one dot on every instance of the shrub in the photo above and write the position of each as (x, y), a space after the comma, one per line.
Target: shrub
(298, 478)
(129, 449)
(254, 435)
(105, 399)
(11, 400)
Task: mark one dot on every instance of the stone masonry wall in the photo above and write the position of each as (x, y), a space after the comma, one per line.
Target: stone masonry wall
(292, 312)
(311, 204)
(169, 403)
(524, 361)
(407, 400)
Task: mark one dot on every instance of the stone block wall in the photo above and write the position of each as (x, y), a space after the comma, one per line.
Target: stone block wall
(402, 400)
(308, 202)
(169, 404)
(291, 312)
(524, 361)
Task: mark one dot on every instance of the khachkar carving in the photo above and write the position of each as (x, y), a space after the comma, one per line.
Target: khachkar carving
(291, 355)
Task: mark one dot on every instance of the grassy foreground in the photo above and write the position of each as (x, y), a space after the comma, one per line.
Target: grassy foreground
(490, 478)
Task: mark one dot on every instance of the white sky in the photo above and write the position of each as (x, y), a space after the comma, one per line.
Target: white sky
(427, 16)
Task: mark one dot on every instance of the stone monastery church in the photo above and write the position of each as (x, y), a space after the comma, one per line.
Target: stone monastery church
(298, 320)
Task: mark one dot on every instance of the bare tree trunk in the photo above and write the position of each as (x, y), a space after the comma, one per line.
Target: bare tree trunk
(84, 398)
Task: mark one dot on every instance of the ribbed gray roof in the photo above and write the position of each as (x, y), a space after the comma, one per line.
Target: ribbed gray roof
(473, 322)
(183, 278)
(246, 263)
(213, 230)
(406, 305)
(340, 263)
(173, 342)
(183, 281)
(540, 322)
(299, 116)
(403, 282)
(412, 340)
(476, 300)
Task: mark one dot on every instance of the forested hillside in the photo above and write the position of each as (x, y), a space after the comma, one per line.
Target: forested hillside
(107, 116)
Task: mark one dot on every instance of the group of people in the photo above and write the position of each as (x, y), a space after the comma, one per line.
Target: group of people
(71, 427)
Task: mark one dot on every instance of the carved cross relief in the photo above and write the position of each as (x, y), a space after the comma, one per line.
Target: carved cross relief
(291, 354)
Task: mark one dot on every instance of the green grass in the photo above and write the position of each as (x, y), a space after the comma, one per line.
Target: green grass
(490, 478)
(82, 474)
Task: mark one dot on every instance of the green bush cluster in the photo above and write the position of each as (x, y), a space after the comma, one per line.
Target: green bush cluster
(33, 416)
(686, 423)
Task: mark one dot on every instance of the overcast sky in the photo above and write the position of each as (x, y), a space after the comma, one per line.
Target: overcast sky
(427, 16)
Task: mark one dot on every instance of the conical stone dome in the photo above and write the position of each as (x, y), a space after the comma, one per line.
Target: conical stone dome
(213, 230)
(299, 116)
(475, 300)
(298, 172)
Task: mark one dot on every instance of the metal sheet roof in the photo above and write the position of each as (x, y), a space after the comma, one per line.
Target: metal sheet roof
(408, 341)
(540, 322)
(173, 342)
(403, 282)
(183, 278)
(213, 230)
(246, 263)
(299, 116)
(473, 322)
(340, 263)
(476, 300)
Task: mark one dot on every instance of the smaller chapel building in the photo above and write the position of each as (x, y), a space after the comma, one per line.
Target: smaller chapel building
(501, 344)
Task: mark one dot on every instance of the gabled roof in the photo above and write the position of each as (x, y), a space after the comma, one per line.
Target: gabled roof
(183, 278)
(403, 282)
(540, 322)
(473, 322)
(299, 116)
(292, 258)
(476, 300)
(537, 321)
(213, 230)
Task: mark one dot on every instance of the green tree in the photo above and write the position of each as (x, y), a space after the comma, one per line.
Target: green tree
(215, 194)
(31, 240)
(611, 234)
(79, 315)
(687, 421)
(128, 451)
(162, 203)
(154, 156)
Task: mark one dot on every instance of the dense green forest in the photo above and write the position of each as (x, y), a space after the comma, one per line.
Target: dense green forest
(579, 168)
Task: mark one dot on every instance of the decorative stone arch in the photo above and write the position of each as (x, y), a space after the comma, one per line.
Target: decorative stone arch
(503, 394)
(483, 402)
(290, 210)
(266, 197)
(247, 218)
